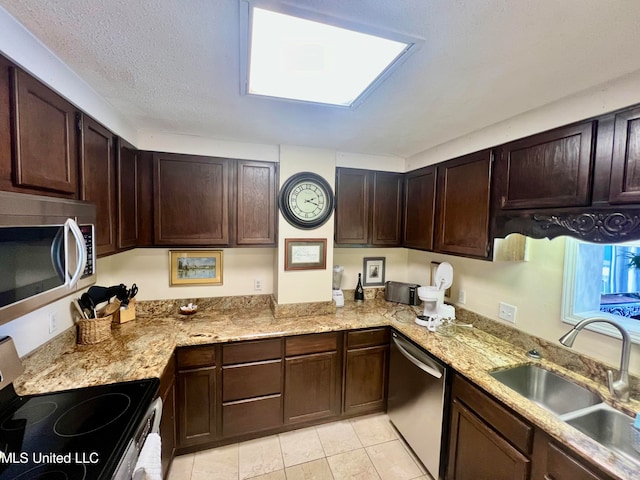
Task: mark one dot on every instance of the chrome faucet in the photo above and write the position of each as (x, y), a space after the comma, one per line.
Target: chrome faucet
(620, 388)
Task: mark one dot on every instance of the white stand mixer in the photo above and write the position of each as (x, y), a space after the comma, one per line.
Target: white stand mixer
(433, 298)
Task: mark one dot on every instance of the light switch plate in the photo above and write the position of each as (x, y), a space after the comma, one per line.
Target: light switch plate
(507, 312)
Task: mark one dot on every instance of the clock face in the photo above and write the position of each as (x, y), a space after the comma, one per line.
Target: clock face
(306, 200)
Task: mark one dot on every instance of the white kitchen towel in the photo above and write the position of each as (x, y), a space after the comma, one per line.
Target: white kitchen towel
(148, 466)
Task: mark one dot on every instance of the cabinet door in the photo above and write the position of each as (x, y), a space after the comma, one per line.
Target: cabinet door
(44, 137)
(463, 205)
(144, 169)
(256, 203)
(196, 406)
(419, 208)
(625, 166)
(352, 206)
(366, 379)
(477, 452)
(167, 428)
(99, 181)
(551, 169)
(6, 168)
(127, 164)
(386, 222)
(191, 200)
(310, 391)
(551, 462)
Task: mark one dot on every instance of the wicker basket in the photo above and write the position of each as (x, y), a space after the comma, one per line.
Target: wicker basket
(94, 330)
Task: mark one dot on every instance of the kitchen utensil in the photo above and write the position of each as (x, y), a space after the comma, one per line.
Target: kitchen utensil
(79, 309)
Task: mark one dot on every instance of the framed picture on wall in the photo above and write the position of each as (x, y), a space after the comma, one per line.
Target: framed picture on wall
(195, 267)
(373, 268)
(305, 253)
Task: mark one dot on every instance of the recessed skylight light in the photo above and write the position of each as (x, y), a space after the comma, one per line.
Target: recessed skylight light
(300, 59)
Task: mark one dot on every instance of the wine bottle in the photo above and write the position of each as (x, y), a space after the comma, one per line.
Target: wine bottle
(358, 296)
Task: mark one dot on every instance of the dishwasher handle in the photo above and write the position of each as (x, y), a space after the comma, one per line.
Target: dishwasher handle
(424, 363)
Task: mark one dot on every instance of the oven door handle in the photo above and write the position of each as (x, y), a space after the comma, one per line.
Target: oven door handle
(156, 407)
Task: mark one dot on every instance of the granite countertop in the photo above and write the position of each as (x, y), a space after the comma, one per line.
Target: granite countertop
(143, 347)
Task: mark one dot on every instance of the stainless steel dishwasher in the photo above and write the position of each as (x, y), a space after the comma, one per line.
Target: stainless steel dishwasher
(417, 401)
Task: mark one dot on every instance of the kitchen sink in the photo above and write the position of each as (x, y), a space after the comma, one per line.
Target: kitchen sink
(550, 391)
(608, 427)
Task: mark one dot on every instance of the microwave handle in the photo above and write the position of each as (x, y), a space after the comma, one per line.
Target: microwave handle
(72, 226)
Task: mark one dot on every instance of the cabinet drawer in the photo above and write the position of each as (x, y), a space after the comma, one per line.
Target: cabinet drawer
(243, 352)
(515, 430)
(316, 343)
(251, 380)
(368, 338)
(251, 415)
(193, 357)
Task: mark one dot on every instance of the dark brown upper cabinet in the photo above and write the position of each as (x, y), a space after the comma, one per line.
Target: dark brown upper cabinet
(127, 166)
(386, 216)
(256, 207)
(44, 140)
(6, 167)
(368, 207)
(624, 187)
(191, 200)
(463, 205)
(98, 181)
(419, 208)
(547, 170)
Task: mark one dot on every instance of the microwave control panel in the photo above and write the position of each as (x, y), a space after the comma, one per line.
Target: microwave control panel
(87, 233)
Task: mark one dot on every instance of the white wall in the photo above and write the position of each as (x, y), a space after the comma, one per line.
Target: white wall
(534, 287)
(148, 268)
(351, 259)
(297, 286)
(595, 101)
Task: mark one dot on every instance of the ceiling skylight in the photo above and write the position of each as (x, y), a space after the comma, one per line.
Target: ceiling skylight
(304, 60)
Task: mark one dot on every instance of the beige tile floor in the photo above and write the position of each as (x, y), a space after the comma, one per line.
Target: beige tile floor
(364, 448)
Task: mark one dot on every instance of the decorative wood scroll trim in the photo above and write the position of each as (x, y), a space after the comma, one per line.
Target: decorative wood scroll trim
(608, 226)
(603, 227)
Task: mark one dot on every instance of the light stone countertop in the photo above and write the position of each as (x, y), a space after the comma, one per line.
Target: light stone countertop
(143, 347)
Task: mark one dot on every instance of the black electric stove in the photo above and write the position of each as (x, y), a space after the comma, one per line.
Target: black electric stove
(79, 434)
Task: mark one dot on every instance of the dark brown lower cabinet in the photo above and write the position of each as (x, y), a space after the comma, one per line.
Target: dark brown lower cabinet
(486, 440)
(312, 377)
(196, 402)
(251, 387)
(552, 462)
(167, 393)
(365, 377)
(197, 394)
(479, 453)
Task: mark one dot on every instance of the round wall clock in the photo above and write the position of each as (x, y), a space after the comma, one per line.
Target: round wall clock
(306, 200)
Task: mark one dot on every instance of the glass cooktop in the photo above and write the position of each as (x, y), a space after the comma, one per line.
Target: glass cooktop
(76, 434)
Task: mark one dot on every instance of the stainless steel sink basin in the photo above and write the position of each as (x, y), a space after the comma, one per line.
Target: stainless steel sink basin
(547, 389)
(608, 427)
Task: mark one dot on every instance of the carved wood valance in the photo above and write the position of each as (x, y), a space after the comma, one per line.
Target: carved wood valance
(597, 226)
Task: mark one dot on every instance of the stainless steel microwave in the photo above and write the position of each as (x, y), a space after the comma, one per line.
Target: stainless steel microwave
(47, 251)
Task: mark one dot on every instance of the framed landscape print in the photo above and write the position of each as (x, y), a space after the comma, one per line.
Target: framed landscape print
(195, 267)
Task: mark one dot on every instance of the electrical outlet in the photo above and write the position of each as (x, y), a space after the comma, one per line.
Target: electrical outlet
(507, 312)
(257, 284)
(53, 322)
(462, 297)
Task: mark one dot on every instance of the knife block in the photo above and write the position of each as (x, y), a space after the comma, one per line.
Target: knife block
(126, 315)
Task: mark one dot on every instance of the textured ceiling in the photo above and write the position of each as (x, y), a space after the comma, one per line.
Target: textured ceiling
(173, 65)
